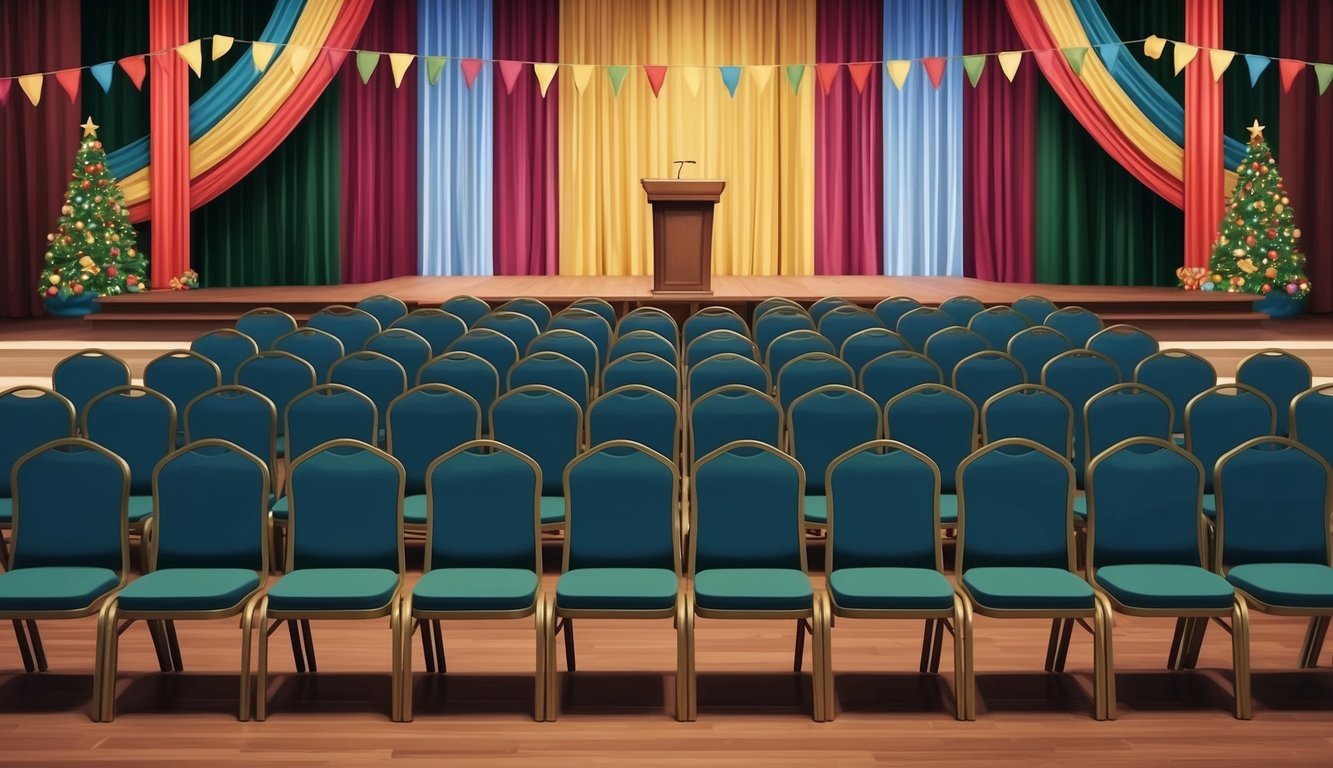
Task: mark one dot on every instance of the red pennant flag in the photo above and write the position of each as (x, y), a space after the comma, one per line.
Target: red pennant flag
(1289, 69)
(827, 74)
(4, 91)
(335, 58)
(509, 73)
(135, 67)
(656, 75)
(69, 80)
(471, 68)
(935, 69)
(1046, 58)
(860, 72)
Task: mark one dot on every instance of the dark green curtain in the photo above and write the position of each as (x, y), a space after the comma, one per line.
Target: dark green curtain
(113, 29)
(1097, 224)
(280, 224)
(1246, 30)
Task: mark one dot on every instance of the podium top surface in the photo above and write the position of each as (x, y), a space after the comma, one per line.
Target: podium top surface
(684, 190)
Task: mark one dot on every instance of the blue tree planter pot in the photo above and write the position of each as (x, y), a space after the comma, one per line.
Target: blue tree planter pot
(1279, 305)
(72, 306)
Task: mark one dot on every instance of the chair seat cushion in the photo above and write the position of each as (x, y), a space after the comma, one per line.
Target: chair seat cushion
(816, 509)
(333, 589)
(139, 508)
(6, 511)
(1166, 586)
(475, 589)
(753, 589)
(279, 506)
(1291, 585)
(1028, 589)
(948, 509)
(890, 589)
(617, 589)
(55, 588)
(553, 509)
(188, 589)
(414, 509)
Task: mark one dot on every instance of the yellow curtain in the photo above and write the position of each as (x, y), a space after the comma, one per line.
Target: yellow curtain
(761, 142)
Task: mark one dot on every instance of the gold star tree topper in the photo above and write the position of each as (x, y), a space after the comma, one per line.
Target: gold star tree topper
(1256, 132)
(90, 128)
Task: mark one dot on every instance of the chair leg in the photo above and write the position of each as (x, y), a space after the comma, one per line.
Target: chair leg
(800, 646)
(396, 663)
(818, 622)
(104, 664)
(936, 645)
(1314, 641)
(35, 640)
(405, 680)
(1240, 657)
(925, 645)
(1190, 659)
(1177, 642)
(439, 645)
(298, 655)
(568, 628)
(308, 639)
(173, 645)
(552, 707)
(160, 644)
(1052, 644)
(539, 668)
(969, 685)
(1098, 660)
(21, 635)
(1063, 653)
(4, 551)
(684, 647)
(427, 645)
(261, 674)
(247, 640)
(1108, 655)
(959, 661)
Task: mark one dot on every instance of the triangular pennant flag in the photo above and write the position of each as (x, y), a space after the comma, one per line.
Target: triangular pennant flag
(582, 75)
(192, 53)
(1289, 69)
(1220, 60)
(617, 74)
(860, 73)
(366, 61)
(509, 73)
(827, 73)
(1110, 55)
(5, 83)
(691, 76)
(545, 73)
(1075, 57)
(1153, 47)
(934, 67)
(135, 67)
(1257, 65)
(1045, 59)
(297, 56)
(434, 66)
(102, 73)
(32, 85)
(69, 80)
(974, 65)
(1324, 74)
(470, 68)
(795, 72)
(656, 76)
(221, 44)
(262, 53)
(1185, 53)
(898, 69)
(760, 75)
(1009, 61)
(731, 77)
(398, 64)
(335, 57)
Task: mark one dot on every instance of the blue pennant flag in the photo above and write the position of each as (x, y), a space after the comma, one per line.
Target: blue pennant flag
(103, 74)
(731, 77)
(1110, 55)
(1257, 65)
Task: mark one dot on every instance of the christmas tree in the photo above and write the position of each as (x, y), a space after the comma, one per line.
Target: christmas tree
(93, 248)
(1257, 249)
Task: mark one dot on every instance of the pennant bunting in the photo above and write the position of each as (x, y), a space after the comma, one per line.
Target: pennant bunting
(582, 75)
(69, 80)
(974, 65)
(795, 72)
(1153, 47)
(1220, 61)
(335, 58)
(366, 61)
(398, 64)
(297, 56)
(656, 76)
(1324, 74)
(32, 86)
(1257, 65)
(827, 73)
(5, 83)
(1289, 69)
(509, 71)
(860, 73)
(1009, 61)
(691, 76)
(262, 53)
(192, 53)
(934, 67)
(760, 75)
(1185, 53)
(1110, 55)
(221, 44)
(731, 77)
(470, 69)
(898, 70)
(102, 74)
(434, 66)
(135, 67)
(545, 73)
(1075, 57)
(617, 74)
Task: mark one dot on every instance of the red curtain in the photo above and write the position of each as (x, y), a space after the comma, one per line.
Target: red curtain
(379, 152)
(999, 160)
(526, 213)
(1306, 33)
(849, 149)
(1204, 179)
(169, 125)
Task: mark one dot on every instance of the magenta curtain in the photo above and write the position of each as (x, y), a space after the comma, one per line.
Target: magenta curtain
(37, 144)
(999, 161)
(1306, 33)
(526, 191)
(379, 152)
(849, 150)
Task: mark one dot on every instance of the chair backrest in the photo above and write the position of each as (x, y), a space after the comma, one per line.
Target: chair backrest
(1179, 375)
(1015, 508)
(863, 346)
(210, 509)
(1223, 417)
(838, 324)
(573, 345)
(279, 376)
(650, 319)
(319, 348)
(639, 414)
(962, 308)
(378, 377)
(891, 310)
(825, 305)
(1126, 345)
(938, 421)
(138, 424)
(868, 528)
(1311, 420)
(30, 417)
(772, 303)
(494, 347)
(729, 414)
(537, 311)
(265, 325)
(983, 375)
(597, 306)
(70, 504)
(920, 324)
(602, 531)
(351, 495)
(712, 319)
(1273, 503)
(386, 309)
(1145, 506)
(1122, 412)
(893, 373)
(425, 422)
(469, 373)
(747, 503)
(825, 423)
(553, 370)
(723, 370)
(182, 376)
(352, 326)
(1035, 347)
(1031, 412)
(544, 424)
(705, 345)
(83, 375)
(643, 341)
(1076, 323)
(948, 346)
(437, 327)
(1078, 375)
(407, 347)
(329, 412)
(519, 328)
(1278, 374)
(998, 325)
(482, 501)
(238, 415)
(228, 348)
(1035, 308)
(808, 372)
(469, 309)
(777, 321)
(588, 323)
(642, 368)
(792, 345)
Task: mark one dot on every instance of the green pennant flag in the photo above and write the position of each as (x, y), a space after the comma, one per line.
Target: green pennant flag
(1075, 58)
(434, 66)
(973, 65)
(617, 74)
(1323, 73)
(794, 74)
(366, 61)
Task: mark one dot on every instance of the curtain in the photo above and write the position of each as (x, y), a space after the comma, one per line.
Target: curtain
(760, 141)
(1203, 134)
(923, 141)
(455, 135)
(112, 30)
(379, 153)
(527, 142)
(999, 127)
(169, 124)
(849, 146)
(1245, 30)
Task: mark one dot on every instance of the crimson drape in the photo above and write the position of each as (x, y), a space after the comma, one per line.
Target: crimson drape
(999, 125)
(1306, 33)
(1204, 178)
(169, 152)
(526, 189)
(849, 150)
(379, 153)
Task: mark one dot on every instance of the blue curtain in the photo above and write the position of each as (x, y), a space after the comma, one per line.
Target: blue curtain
(456, 141)
(923, 141)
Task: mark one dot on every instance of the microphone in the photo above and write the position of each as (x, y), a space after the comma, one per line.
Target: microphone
(680, 166)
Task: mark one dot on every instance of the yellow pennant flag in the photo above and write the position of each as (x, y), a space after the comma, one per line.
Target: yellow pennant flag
(691, 77)
(398, 63)
(898, 69)
(545, 73)
(263, 54)
(582, 74)
(193, 54)
(1153, 47)
(32, 85)
(221, 44)
(297, 57)
(1009, 61)
(1185, 53)
(1220, 60)
(760, 75)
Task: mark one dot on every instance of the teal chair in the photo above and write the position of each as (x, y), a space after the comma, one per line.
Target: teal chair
(962, 308)
(138, 425)
(352, 326)
(437, 327)
(718, 342)
(71, 546)
(1146, 551)
(346, 553)
(546, 425)
(809, 372)
(728, 414)
(747, 553)
(1126, 345)
(537, 311)
(621, 560)
(209, 557)
(424, 423)
(1016, 557)
(712, 319)
(998, 325)
(1032, 412)
(723, 370)
(240, 416)
(826, 305)
(1035, 308)
(29, 417)
(650, 319)
(554, 370)
(386, 309)
(777, 321)
(182, 376)
(265, 325)
(469, 373)
(1278, 374)
(1178, 374)
(227, 347)
(949, 346)
(1034, 347)
(639, 414)
(884, 558)
(1078, 375)
(1118, 413)
(573, 345)
(983, 375)
(792, 345)
(520, 328)
(1220, 418)
(319, 348)
(469, 309)
(598, 306)
(941, 423)
(892, 309)
(893, 373)
(1076, 323)
(377, 376)
(591, 324)
(863, 346)
(644, 341)
(921, 323)
(644, 369)
(492, 346)
(1311, 420)
(772, 303)
(314, 417)
(823, 424)
(408, 348)
(279, 376)
(478, 566)
(840, 323)
(84, 375)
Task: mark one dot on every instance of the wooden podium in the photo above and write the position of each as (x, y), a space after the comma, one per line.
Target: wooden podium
(683, 233)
